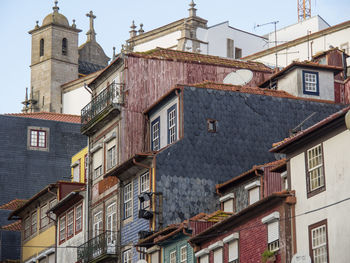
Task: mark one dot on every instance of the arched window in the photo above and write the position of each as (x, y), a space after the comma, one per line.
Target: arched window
(64, 46)
(41, 47)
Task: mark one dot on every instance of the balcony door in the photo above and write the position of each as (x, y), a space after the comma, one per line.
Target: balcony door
(111, 227)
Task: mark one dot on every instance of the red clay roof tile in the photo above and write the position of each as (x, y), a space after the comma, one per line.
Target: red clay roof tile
(50, 116)
(176, 55)
(15, 226)
(14, 204)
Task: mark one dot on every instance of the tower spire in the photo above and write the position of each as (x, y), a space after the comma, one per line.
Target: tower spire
(91, 34)
(192, 10)
(55, 8)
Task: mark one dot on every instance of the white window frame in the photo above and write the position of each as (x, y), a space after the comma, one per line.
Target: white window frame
(172, 256)
(319, 243)
(111, 157)
(70, 223)
(272, 222)
(155, 134)
(172, 123)
(315, 168)
(98, 224)
(144, 183)
(128, 200)
(78, 218)
(111, 223)
(62, 224)
(310, 82)
(183, 254)
(127, 256)
(44, 220)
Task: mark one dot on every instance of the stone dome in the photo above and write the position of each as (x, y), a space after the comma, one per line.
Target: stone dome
(55, 18)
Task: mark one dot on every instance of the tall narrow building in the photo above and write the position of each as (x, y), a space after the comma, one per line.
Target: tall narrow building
(54, 60)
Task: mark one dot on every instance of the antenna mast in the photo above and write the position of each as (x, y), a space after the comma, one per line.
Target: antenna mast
(304, 9)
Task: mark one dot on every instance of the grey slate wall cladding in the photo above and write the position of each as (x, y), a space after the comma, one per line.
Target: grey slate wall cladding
(248, 124)
(24, 172)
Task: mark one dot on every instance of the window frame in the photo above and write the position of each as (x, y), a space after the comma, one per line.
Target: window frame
(172, 128)
(321, 188)
(77, 166)
(27, 227)
(214, 123)
(109, 216)
(62, 226)
(317, 86)
(41, 47)
(313, 227)
(238, 53)
(34, 216)
(183, 260)
(33, 138)
(128, 201)
(76, 219)
(52, 203)
(127, 252)
(155, 147)
(68, 224)
(172, 259)
(111, 157)
(145, 204)
(37, 134)
(100, 231)
(45, 217)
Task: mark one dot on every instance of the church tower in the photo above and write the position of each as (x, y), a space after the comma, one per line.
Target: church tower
(54, 60)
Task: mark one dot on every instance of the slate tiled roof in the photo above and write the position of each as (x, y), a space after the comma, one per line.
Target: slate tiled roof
(305, 64)
(176, 55)
(88, 68)
(50, 116)
(14, 204)
(15, 226)
(278, 146)
(253, 90)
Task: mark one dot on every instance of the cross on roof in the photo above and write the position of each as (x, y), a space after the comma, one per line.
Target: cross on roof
(91, 33)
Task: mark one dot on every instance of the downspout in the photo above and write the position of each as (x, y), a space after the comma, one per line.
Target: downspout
(121, 209)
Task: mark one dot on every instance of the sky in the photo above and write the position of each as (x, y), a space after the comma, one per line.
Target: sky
(113, 22)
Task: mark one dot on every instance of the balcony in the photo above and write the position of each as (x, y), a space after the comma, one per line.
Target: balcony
(102, 108)
(99, 249)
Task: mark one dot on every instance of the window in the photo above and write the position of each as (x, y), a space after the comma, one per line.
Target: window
(284, 180)
(127, 200)
(318, 238)
(62, 228)
(43, 216)
(34, 223)
(70, 223)
(315, 170)
(172, 257)
(127, 256)
(76, 173)
(144, 187)
(27, 227)
(272, 222)
(204, 259)
(155, 135)
(52, 203)
(253, 192)
(98, 227)
(41, 47)
(345, 47)
(172, 136)
(228, 202)
(218, 257)
(238, 53)
(310, 83)
(38, 138)
(111, 221)
(111, 160)
(229, 48)
(233, 251)
(155, 257)
(211, 125)
(97, 172)
(183, 254)
(78, 218)
(142, 253)
(64, 46)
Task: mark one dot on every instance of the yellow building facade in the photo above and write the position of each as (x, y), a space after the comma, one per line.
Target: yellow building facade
(79, 166)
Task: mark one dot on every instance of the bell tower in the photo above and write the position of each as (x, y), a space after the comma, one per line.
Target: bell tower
(54, 60)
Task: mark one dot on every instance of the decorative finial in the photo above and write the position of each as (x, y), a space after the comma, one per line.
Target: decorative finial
(141, 31)
(56, 8)
(73, 24)
(91, 35)
(192, 10)
(37, 24)
(132, 31)
(113, 57)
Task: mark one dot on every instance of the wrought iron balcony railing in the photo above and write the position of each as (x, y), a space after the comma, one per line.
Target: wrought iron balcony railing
(100, 246)
(112, 95)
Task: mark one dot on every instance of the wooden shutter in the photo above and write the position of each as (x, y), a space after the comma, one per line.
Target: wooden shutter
(204, 259)
(97, 159)
(254, 195)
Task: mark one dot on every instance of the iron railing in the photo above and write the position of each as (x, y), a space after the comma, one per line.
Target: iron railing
(107, 97)
(102, 245)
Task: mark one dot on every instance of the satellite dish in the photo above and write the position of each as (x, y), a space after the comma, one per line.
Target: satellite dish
(141, 261)
(301, 258)
(240, 77)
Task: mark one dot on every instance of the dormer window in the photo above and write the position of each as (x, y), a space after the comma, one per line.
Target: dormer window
(41, 47)
(310, 83)
(253, 192)
(227, 202)
(64, 46)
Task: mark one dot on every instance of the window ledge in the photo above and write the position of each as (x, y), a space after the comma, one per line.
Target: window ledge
(152, 249)
(96, 148)
(202, 252)
(252, 185)
(231, 237)
(272, 217)
(227, 197)
(216, 245)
